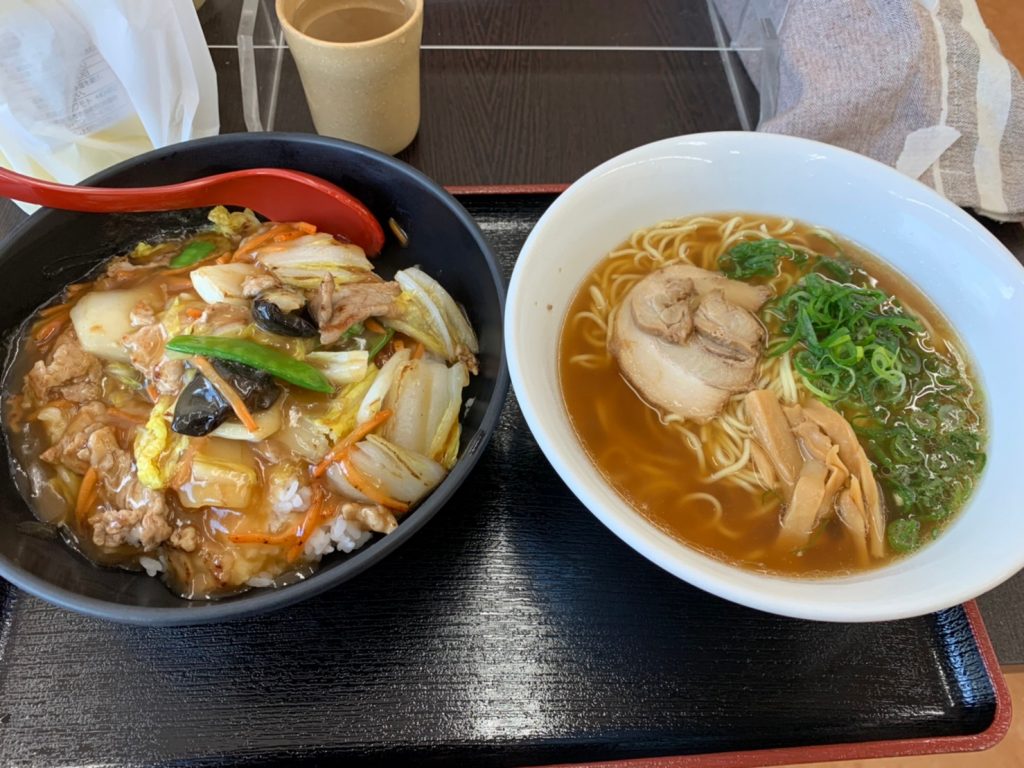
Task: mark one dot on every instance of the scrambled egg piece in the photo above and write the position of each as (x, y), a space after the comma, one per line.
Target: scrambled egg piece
(232, 224)
(158, 450)
(141, 252)
(340, 418)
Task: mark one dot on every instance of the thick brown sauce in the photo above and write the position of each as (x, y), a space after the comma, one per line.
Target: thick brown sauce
(191, 575)
(653, 469)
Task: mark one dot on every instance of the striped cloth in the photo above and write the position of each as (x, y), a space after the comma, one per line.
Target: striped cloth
(920, 85)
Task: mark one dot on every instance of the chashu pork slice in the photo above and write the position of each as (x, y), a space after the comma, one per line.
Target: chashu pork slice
(749, 297)
(683, 342)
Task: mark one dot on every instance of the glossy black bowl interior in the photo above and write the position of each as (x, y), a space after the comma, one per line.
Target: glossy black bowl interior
(53, 248)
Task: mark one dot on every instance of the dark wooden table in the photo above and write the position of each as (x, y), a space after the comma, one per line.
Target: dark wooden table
(497, 114)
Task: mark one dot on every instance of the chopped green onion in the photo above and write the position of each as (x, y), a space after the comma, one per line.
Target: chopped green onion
(922, 422)
(840, 269)
(852, 337)
(903, 534)
(951, 416)
(757, 258)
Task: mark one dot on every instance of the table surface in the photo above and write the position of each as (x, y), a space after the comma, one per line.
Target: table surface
(509, 115)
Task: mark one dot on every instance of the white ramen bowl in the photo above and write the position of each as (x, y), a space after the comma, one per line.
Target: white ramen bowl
(975, 282)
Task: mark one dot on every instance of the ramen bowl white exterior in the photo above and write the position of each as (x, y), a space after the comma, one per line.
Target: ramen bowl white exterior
(975, 282)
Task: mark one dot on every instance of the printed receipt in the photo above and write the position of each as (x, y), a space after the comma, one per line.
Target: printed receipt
(85, 84)
(83, 99)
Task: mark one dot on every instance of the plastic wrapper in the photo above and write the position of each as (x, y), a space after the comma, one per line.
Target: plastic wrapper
(85, 84)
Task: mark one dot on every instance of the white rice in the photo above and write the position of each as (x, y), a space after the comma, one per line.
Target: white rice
(291, 498)
(284, 499)
(337, 535)
(152, 565)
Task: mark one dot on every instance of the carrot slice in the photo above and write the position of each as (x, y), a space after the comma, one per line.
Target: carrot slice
(303, 529)
(374, 326)
(308, 524)
(297, 535)
(418, 352)
(56, 309)
(365, 485)
(234, 399)
(194, 312)
(49, 330)
(284, 237)
(87, 493)
(278, 233)
(253, 242)
(351, 438)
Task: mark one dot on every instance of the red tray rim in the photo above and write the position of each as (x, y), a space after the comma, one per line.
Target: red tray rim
(507, 189)
(822, 752)
(854, 750)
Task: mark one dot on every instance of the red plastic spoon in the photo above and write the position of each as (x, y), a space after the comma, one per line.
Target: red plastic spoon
(278, 194)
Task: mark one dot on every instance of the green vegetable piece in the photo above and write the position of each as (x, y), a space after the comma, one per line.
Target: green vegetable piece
(256, 355)
(840, 269)
(192, 253)
(853, 339)
(757, 258)
(904, 534)
(381, 343)
(125, 374)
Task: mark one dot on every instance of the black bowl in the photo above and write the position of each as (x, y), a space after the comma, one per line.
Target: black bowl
(53, 248)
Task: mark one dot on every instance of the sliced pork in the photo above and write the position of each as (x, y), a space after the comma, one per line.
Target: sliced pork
(338, 308)
(70, 373)
(749, 297)
(686, 339)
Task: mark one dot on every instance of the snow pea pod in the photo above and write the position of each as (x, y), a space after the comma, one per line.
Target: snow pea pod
(192, 254)
(256, 355)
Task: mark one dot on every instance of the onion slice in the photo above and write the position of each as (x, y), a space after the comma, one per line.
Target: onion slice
(304, 261)
(399, 474)
(457, 324)
(374, 397)
(426, 398)
(341, 367)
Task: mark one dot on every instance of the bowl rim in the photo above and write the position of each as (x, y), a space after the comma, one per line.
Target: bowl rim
(682, 560)
(266, 600)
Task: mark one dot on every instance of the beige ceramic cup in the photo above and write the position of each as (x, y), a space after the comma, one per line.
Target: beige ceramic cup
(363, 90)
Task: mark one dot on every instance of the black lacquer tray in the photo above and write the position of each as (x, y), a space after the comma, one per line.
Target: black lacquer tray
(514, 629)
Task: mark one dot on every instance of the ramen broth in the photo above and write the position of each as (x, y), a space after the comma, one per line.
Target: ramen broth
(667, 470)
